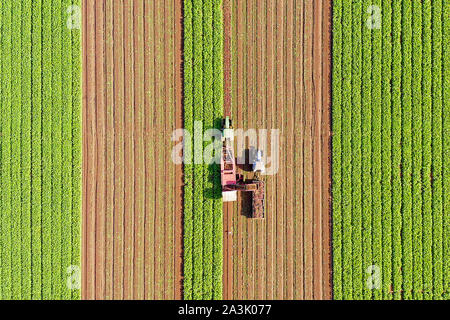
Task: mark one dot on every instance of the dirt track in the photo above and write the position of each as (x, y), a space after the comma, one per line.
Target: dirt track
(132, 207)
(277, 65)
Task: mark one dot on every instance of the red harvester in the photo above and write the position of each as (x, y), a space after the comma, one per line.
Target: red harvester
(233, 182)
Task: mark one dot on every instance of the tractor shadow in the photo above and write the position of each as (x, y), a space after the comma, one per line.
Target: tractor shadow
(213, 173)
(215, 192)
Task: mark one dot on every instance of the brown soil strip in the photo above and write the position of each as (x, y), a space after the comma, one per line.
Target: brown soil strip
(89, 149)
(132, 212)
(110, 103)
(279, 78)
(149, 67)
(308, 149)
(290, 138)
(159, 151)
(100, 143)
(240, 276)
(118, 150)
(299, 285)
(227, 55)
(317, 150)
(227, 207)
(166, 248)
(243, 110)
(228, 252)
(128, 150)
(139, 154)
(259, 13)
(280, 177)
(270, 193)
(260, 108)
(250, 243)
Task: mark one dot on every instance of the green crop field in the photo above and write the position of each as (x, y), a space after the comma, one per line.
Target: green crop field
(40, 153)
(390, 143)
(203, 103)
(391, 121)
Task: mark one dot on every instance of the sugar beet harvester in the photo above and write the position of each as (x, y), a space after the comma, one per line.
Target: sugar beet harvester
(233, 182)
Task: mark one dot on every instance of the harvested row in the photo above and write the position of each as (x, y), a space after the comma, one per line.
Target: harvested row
(132, 214)
(203, 102)
(40, 157)
(391, 148)
(278, 77)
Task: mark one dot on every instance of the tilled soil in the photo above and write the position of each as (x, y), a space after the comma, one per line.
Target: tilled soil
(277, 76)
(132, 211)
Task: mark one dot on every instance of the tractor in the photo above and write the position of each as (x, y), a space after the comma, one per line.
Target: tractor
(232, 182)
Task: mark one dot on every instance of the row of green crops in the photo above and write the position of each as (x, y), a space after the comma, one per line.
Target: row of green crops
(391, 149)
(40, 153)
(203, 103)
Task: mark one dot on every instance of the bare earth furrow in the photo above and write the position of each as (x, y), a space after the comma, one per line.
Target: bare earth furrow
(277, 76)
(132, 213)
